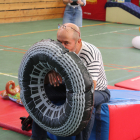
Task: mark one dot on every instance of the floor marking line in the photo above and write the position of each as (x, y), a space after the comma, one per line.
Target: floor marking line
(114, 47)
(57, 29)
(119, 79)
(12, 47)
(122, 65)
(14, 51)
(49, 30)
(122, 69)
(29, 33)
(132, 67)
(117, 68)
(96, 24)
(111, 32)
(118, 27)
(8, 75)
(125, 34)
(125, 66)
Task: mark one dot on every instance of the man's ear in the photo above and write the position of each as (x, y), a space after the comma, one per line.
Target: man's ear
(79, 40)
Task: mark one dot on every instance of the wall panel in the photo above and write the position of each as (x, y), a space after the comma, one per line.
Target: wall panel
(30, 10)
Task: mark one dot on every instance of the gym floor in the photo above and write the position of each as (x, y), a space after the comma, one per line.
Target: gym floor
(121, 59)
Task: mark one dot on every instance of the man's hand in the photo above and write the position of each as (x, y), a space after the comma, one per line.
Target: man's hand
(54, 78)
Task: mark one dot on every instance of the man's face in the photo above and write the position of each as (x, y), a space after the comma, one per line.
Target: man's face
(67, 40)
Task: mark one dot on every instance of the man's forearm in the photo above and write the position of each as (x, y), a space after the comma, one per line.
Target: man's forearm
(94, 82)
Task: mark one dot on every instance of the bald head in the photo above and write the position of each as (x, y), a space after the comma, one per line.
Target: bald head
(69, 35)
(70, 30)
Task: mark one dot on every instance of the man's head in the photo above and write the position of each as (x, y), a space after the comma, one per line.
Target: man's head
(69, 35)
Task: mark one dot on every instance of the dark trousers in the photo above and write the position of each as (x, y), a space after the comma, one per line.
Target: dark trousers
(99, 97)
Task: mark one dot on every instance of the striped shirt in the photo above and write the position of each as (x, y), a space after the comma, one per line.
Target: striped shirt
(92, 59)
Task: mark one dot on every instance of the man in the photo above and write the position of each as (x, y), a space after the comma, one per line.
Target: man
(69, 35)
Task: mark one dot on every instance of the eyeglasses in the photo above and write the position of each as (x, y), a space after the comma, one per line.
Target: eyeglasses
(64, 26)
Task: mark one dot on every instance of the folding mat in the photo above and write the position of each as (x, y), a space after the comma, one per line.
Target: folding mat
(133, 84)
(113, 87)
(10, 113)
(118, 119)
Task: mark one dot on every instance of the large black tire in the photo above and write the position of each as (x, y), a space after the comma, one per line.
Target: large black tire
(71, 117)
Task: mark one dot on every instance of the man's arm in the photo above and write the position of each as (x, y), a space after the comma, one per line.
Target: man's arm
(53, 78)
(94, 82)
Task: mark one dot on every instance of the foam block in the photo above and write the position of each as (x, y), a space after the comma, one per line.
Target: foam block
(133, 84)
(124, 122)
(118, 119)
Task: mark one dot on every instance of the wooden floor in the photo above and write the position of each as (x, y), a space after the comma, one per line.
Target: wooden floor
(121, 60)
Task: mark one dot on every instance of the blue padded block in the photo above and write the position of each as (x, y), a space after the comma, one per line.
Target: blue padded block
(119, 94)
(101, 125)
(127, 6)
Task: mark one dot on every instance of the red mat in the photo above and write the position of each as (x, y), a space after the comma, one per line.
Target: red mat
(133, 84)
(113, 87)
(10, 113)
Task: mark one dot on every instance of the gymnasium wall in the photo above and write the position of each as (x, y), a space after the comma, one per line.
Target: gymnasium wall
(95, 10)
(30, 10)
(136, 2)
